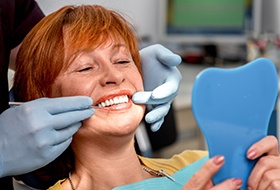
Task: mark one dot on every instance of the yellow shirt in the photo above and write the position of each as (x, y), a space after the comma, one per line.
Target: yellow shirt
(170, 166)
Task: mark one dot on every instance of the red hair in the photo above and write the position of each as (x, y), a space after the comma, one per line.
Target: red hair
(55, 41)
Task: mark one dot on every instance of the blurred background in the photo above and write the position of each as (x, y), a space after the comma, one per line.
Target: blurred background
(213, 33)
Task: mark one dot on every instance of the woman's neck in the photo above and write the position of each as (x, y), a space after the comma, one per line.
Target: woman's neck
(97, 167)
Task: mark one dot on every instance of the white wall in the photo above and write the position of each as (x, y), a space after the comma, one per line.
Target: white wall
(143, 12)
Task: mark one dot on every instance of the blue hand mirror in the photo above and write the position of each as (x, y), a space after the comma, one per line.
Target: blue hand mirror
(232, 107)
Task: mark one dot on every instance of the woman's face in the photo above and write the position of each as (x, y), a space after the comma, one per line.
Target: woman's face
(109, 76)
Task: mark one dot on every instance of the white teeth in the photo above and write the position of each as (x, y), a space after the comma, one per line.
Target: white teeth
(107, 102)
(111, 101)
(114, 101)
(103, 104)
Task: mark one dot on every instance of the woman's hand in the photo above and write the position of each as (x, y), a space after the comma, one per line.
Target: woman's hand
(201, 180)
(266, 173)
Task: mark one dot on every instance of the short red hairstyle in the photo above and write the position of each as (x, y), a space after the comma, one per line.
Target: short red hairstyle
(49, 48)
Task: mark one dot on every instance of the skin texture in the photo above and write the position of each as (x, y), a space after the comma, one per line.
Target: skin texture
(103, 74)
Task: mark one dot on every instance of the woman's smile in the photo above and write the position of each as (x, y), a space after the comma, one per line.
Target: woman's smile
(117, 100)
(116, 103)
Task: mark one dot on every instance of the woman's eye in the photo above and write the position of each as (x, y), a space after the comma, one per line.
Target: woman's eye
(85, 69)
(123, 61)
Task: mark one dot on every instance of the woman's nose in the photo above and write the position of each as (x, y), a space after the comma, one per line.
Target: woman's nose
(112, 75)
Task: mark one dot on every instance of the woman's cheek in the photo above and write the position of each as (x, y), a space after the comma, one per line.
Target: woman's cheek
(138, 81)
(76, 88)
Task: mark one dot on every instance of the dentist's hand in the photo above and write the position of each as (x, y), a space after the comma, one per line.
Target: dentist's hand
(35, 133)
(161, 82)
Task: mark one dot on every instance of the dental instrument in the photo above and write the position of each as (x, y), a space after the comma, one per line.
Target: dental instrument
(19, 103)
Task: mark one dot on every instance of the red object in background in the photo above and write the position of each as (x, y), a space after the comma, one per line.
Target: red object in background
(193, 58)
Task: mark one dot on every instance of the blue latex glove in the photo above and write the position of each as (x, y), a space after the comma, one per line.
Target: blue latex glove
(161, 82)
(35, 133)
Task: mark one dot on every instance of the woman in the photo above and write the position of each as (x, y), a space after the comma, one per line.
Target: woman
(106, 67)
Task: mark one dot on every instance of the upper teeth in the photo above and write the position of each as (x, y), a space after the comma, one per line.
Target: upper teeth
(113, 101)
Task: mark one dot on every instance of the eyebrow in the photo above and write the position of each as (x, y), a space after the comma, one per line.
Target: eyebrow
(118, 45)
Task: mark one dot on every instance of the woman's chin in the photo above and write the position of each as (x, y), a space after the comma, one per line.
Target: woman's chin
(106, 124)
(114, 122)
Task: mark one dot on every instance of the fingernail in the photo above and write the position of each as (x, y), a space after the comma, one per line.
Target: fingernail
(218, 160)
(251, 154)
(249, 188)
(238, 182)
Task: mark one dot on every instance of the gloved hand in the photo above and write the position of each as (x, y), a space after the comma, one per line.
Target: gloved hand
(35, 133)
(161, 82)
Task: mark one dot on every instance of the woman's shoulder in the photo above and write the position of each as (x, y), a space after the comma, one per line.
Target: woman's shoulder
(176, 162)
